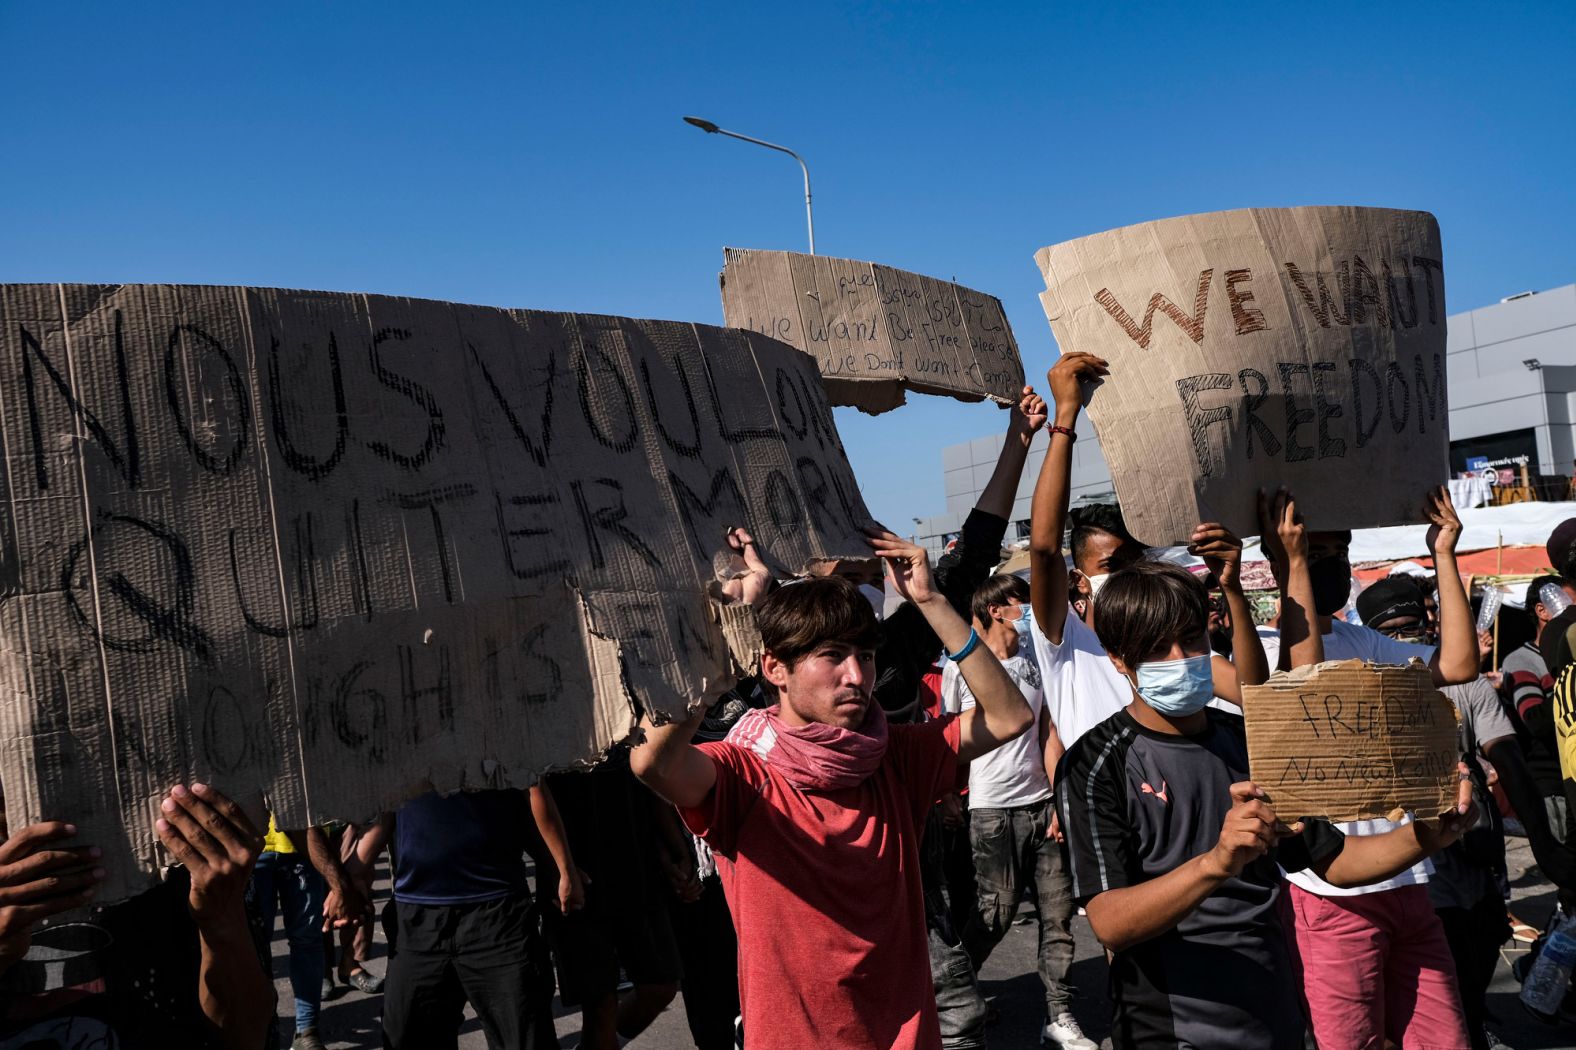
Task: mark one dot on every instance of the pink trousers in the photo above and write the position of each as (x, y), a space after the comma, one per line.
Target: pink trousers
(1374, 967)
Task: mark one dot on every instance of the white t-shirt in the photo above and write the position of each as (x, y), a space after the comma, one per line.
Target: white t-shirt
(1082, 687)
(1350, 641)
(1013, 774)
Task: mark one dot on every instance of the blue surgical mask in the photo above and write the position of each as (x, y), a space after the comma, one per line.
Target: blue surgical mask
(1021, 624)
(1177, 687)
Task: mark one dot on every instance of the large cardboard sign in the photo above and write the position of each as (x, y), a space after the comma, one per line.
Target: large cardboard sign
(1349, 741)
(876, 332)
(329, 548)
(1251, 349)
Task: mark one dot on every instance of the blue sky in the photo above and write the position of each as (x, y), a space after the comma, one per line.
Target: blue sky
(517, 155)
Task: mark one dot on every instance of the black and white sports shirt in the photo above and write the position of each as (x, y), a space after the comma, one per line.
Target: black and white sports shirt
(1135, 804)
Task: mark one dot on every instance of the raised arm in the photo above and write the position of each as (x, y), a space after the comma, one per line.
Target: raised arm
(1052, 493)
(907, 646)
(667, 763)
(1222, 554)
(1027, 417)
(1457, 658)
(1000, 712)
(218, 845)
(1284, 540)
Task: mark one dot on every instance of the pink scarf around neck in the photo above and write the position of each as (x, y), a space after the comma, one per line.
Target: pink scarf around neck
(814, 757)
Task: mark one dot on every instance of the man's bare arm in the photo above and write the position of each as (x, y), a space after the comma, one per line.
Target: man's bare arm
(1052, 492)
(1457, 658)
(1000, 712)
(1027, 417)
(667, 763)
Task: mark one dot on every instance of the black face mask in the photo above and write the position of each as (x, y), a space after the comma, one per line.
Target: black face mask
(1332, 585)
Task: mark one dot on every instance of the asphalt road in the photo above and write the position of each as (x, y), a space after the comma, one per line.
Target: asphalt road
(1009, 979)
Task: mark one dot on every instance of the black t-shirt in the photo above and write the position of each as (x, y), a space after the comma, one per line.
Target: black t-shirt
(123, 978)
(465, 848)
(1136, 804)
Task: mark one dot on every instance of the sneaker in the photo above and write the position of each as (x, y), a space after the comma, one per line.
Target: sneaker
(1064, 1032)
(307, 1040)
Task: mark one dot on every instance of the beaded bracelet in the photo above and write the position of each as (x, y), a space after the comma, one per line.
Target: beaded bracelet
(1057, 428)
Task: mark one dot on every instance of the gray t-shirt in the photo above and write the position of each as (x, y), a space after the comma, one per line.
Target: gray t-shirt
(1473, 867)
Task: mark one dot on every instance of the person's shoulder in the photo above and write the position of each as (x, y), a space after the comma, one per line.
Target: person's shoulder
(736, 758)
(1098, 747)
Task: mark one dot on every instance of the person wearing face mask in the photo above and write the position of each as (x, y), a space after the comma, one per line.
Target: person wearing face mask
(1012, 826)
(1086, 690)
(1375, 954)
(1173, 849)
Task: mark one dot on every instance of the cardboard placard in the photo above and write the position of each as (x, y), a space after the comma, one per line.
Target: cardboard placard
(876, 332)
(1251, 349)
(1349, 740)
(327, 548)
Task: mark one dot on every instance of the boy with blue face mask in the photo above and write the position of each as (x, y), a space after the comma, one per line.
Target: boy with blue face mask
(1173, 850)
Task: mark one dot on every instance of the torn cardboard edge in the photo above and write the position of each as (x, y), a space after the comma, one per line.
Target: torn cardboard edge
(876, 332)
(1259, 347)
(324, 550)
(1347, 740)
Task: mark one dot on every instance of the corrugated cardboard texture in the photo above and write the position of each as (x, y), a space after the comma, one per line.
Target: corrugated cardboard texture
(1348, 741)
(1251, 349)
(876, 332)
(326, 548)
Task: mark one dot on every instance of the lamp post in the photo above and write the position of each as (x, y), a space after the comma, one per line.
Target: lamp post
(712, 129)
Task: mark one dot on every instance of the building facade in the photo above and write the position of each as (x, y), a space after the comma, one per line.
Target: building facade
(1511, 381)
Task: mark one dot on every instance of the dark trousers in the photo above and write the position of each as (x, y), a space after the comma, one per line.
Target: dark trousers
(1011, 853)
(1475, 935)
(489, 953)
(960, 1008)
(709, 950)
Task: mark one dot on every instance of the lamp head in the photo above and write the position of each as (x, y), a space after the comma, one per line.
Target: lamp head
(705, 125)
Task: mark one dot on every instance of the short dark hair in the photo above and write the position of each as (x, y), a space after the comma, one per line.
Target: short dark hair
(794, 620)
(1000, 589)
(1147, 605)
(1535, 593)
(1092, 518)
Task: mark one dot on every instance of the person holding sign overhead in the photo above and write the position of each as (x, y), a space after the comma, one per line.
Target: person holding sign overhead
(1088, 689)
(1375, 956)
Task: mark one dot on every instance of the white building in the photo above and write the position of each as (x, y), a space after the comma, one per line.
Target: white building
(1511, 377)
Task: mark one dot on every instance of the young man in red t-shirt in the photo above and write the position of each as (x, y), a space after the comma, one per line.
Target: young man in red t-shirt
(815, 810)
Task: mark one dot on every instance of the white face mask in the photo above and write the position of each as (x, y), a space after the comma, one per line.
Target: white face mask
(1096, 582)
(876, 597)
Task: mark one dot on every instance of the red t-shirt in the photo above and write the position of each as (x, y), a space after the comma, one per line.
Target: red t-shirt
(826, 897)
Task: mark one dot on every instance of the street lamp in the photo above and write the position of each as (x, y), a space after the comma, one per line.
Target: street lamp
(712, 129)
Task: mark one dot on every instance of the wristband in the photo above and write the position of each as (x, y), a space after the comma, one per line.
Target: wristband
(968, 647)
(1057, 428)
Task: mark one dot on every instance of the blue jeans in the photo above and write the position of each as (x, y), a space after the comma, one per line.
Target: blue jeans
(289, 881)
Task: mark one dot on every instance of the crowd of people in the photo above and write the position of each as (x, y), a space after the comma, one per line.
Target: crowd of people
(829, 853)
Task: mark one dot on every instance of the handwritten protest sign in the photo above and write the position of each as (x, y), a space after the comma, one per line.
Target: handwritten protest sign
(325, 548)
(1255, 348)
(875, 331)
(1349, 741)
